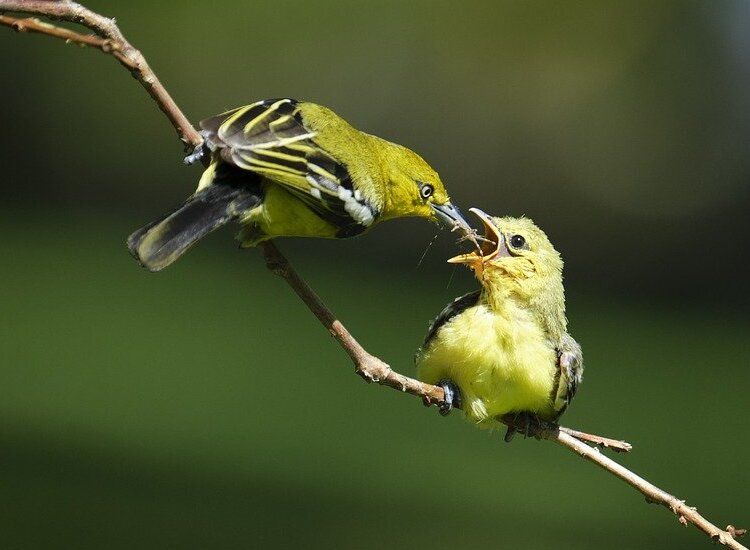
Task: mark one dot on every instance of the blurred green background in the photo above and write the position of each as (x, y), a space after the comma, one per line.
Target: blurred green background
(204, 406)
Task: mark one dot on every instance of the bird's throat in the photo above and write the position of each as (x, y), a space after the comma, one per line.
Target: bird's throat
(497, 293)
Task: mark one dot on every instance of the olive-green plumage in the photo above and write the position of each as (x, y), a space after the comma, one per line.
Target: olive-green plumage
(287, 168)
(506, 347)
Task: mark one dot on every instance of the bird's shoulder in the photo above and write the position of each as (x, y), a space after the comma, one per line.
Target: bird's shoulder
(360, 152)
(302, 146)
(255, 124)
(453, 309)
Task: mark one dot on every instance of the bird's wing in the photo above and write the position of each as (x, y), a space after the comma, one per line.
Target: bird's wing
(451, 310)
(569, 374)
(270, 138)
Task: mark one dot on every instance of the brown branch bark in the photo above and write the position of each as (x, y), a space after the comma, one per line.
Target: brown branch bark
(685, 514)
(110, 40)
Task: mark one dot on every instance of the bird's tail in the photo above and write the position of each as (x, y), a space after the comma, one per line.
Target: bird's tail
(161, 242)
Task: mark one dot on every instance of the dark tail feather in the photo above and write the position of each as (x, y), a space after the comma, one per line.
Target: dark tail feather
(161, 242)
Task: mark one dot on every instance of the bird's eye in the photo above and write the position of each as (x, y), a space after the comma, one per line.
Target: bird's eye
(426, 191)
(517, 241)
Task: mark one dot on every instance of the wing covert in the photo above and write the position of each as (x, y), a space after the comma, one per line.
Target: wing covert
(570, 373)
(270, 138)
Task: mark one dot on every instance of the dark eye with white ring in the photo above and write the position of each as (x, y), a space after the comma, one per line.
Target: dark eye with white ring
(426, 191)
(517, 241)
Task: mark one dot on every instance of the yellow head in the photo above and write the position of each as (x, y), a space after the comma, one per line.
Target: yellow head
(415, 189)
(518, 262)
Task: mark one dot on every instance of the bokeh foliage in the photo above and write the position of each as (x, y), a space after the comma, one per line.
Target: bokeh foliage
(203, 406)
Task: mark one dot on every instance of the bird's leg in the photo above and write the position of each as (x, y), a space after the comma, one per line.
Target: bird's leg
(526, 422)
(196, 155)
(511, 431)
(452, 396)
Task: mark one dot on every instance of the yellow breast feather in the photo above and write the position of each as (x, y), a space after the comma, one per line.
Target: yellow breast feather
(506, 349)
(501, 364)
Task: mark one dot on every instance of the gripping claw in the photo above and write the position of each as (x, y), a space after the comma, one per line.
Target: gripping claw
(452, 397)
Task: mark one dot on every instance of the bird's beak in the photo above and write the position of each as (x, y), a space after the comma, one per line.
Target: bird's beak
(450, 217)
(492, 246)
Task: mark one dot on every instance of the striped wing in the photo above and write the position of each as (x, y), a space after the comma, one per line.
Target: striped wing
(269, 138)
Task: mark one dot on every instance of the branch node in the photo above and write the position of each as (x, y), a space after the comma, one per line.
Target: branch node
(735, 533)
(362, 373)
(675, 506)
(720, 538)
(373, 369)
(110, 46)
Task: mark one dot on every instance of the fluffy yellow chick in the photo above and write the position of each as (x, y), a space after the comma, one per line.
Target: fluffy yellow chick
(505, 348)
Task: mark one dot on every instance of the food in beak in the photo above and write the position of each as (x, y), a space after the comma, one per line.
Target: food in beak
(489, 245)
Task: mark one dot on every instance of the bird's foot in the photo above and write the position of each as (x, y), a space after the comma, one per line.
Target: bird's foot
(452, 397)
(196, 156)
(527, 423)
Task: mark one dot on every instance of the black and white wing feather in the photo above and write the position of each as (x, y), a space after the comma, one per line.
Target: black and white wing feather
(270, 138)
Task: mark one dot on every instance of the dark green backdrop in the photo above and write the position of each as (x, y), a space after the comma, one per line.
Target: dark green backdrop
(204, 407)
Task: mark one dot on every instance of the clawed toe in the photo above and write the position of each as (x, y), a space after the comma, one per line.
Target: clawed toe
(524, 422)
(196, 155)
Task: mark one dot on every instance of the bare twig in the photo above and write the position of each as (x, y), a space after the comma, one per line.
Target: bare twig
(685, 514)
(110, 40)
(616, 445)
(34, 25)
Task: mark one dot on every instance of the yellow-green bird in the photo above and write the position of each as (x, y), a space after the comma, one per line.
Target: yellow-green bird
(282, 167)
(505, 348)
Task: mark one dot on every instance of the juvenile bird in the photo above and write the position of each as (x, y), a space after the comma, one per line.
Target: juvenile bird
(505, 348)
(281, 167)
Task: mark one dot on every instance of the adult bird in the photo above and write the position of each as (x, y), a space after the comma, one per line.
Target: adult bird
(281, 167)
(505, 348)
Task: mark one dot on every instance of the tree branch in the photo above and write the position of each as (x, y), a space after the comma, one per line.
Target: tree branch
(109, 39)
(685, 514)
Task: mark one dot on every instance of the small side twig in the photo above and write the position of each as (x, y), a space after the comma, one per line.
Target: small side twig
(616, 445)
(34, 25)
(110, 40)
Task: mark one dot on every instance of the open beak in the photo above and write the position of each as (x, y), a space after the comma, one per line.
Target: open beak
(491, 246)
(450, 218)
